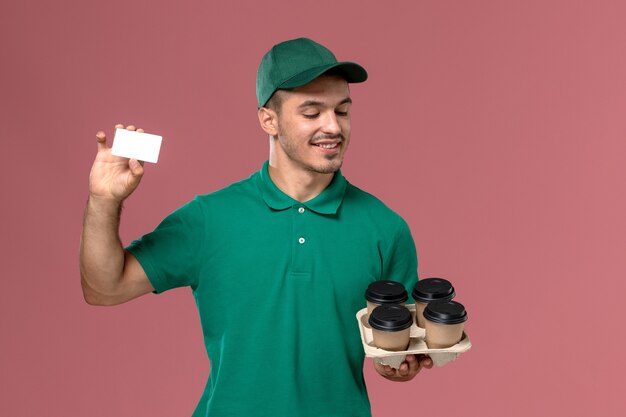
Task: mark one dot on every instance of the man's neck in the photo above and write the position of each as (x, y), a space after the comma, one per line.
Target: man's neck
(299, 184)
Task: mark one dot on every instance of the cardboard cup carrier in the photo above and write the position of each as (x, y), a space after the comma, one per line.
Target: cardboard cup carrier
(416, 344)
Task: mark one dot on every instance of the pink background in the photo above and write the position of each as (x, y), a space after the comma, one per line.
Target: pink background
(496, 128)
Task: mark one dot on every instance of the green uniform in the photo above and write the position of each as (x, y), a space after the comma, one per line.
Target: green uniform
(277, 284)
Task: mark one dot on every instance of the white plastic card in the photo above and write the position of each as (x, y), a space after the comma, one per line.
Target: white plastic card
(136, 145)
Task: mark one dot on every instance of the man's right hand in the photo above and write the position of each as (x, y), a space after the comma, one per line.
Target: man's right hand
(113, 177)
(109, 274)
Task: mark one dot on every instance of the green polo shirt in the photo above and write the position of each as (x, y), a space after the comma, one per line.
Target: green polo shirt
(277, 285)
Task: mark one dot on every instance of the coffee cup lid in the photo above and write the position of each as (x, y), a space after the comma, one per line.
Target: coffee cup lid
(445, 312)
(390, 318)
(383, 292)
(432, 289)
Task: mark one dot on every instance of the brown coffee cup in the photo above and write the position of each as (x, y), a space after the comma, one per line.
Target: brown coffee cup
(428, 290)
(444, 323)
(385, 292)
(391, 326)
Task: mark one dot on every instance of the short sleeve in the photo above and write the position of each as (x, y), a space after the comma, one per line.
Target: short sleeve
(400, 262)
(170, 254)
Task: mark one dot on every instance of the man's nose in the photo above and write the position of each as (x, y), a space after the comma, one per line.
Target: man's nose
(331, 124)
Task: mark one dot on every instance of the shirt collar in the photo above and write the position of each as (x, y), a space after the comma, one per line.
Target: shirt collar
(327, 202)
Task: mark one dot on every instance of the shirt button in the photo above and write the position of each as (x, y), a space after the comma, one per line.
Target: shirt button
(301, 240)
(301, 210)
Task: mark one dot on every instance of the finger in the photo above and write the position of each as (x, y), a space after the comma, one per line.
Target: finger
(404, 369)
(131, 127)
(101, 137)
(410, 366)
(427, 362)
(119, 126)
(385, 369)
(413, 364)
(140, 130)
(136, 168)
(379, 368)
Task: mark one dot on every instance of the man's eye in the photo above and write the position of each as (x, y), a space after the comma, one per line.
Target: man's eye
(311, 116)
(341, 113)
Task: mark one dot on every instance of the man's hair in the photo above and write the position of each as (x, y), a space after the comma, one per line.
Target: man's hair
(275, 102)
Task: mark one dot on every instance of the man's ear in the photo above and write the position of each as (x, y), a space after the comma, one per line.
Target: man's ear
(268, 119)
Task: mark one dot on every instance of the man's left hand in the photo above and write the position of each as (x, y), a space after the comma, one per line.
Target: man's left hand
(411, 366)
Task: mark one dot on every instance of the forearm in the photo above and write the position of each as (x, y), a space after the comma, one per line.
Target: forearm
(101, 251)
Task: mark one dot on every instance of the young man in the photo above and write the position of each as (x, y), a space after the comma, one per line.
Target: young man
(279, 261)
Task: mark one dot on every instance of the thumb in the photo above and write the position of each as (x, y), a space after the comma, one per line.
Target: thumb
(136, 168)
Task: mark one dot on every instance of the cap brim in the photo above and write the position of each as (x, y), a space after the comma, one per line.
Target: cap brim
(352, 72)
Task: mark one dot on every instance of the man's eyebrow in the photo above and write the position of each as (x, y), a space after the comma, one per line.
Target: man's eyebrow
(309, 103)
(346, 100)
(313, 103)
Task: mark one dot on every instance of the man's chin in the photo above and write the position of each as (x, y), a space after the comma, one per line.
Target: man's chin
(328, 168)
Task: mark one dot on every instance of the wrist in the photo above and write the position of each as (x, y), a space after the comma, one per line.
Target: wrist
(104, 205)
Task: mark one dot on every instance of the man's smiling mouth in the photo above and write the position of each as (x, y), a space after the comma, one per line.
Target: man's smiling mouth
(327, 145)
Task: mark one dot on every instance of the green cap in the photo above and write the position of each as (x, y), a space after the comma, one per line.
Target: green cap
(297, 62)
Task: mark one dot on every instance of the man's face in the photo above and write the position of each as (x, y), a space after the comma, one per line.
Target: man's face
(314, 124)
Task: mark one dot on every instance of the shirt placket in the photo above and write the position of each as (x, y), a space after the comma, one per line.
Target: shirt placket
(301, 240)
